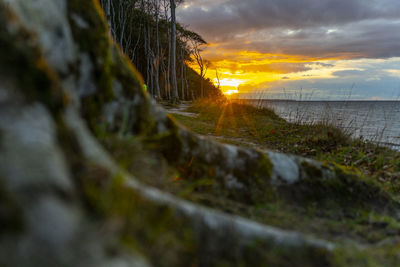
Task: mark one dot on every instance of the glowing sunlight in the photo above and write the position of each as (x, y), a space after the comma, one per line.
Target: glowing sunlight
(231, 92)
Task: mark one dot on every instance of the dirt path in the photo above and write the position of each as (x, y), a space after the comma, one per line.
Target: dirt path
(180, 109)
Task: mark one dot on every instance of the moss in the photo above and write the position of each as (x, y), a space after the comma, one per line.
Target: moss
(110, 65)
(146, 165)
(274, 256)
(95, 41)
(169, 143)
(167, 239)
(369, 257)
(70, 148)
(24, 62)
(141, 122)
(151, 229)
(11, 214)
(127, 75)
(311, 170)
(141, 225)
(263, 171)
(255, 175)
(346, 190)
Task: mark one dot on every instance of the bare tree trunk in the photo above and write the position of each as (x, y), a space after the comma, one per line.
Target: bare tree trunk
(218, 77)
(201, 64)
(152, 91)
(107, 7)
(187, 84)
(182, 74)
(108, 12)
(157, 58)
(147, 54)
(175, 97)
(168, 68)
(141, 26)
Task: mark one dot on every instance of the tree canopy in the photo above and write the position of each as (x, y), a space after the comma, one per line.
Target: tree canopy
(143, 29)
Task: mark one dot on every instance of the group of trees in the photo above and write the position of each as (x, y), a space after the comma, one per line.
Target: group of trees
(160, 48)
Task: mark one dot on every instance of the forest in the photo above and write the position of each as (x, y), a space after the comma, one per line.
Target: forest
(162, 50)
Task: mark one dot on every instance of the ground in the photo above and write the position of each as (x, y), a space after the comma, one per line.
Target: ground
(261, 128)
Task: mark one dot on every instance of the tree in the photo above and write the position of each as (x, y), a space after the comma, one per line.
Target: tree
(218, 78)
(197, 42)
(160, 48)
(156, 62)
(203, 66)
(175, 96)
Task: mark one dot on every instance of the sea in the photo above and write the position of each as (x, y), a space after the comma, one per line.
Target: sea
(375, 121)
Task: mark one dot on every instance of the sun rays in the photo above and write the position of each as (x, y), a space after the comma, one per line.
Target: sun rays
(229, 117)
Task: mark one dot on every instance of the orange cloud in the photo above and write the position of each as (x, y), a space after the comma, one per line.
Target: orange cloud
(243, 70)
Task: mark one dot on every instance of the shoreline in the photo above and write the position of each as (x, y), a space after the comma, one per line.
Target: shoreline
(344, 116)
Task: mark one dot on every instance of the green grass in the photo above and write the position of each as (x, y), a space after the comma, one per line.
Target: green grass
(242, 124)
(245, 125)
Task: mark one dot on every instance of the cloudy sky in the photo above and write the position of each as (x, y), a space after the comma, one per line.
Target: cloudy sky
(323, 49)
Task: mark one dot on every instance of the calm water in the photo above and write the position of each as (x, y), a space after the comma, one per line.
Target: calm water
(377, 121)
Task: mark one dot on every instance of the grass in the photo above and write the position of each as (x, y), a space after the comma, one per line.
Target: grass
(257, 127)
(241, 124)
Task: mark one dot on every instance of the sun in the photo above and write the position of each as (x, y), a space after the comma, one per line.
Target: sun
(231, 92)
(230, 86)
(229, 82)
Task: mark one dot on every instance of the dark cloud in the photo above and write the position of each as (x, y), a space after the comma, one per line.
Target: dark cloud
(315, 28)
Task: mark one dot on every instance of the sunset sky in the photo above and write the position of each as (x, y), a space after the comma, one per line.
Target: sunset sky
(320, 49)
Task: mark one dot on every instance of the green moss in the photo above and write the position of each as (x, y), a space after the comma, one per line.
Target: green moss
(168, 143)
(263, 171)
(370, 257)
(255, 176)
(311, 170)
(142, 123)
(110, 65)
(95, 41)
(127, 75)
(347, 190)
(24, 62)
(151, 229)
(167, 239)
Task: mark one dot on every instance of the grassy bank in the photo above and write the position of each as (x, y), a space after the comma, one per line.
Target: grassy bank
(261, 128)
